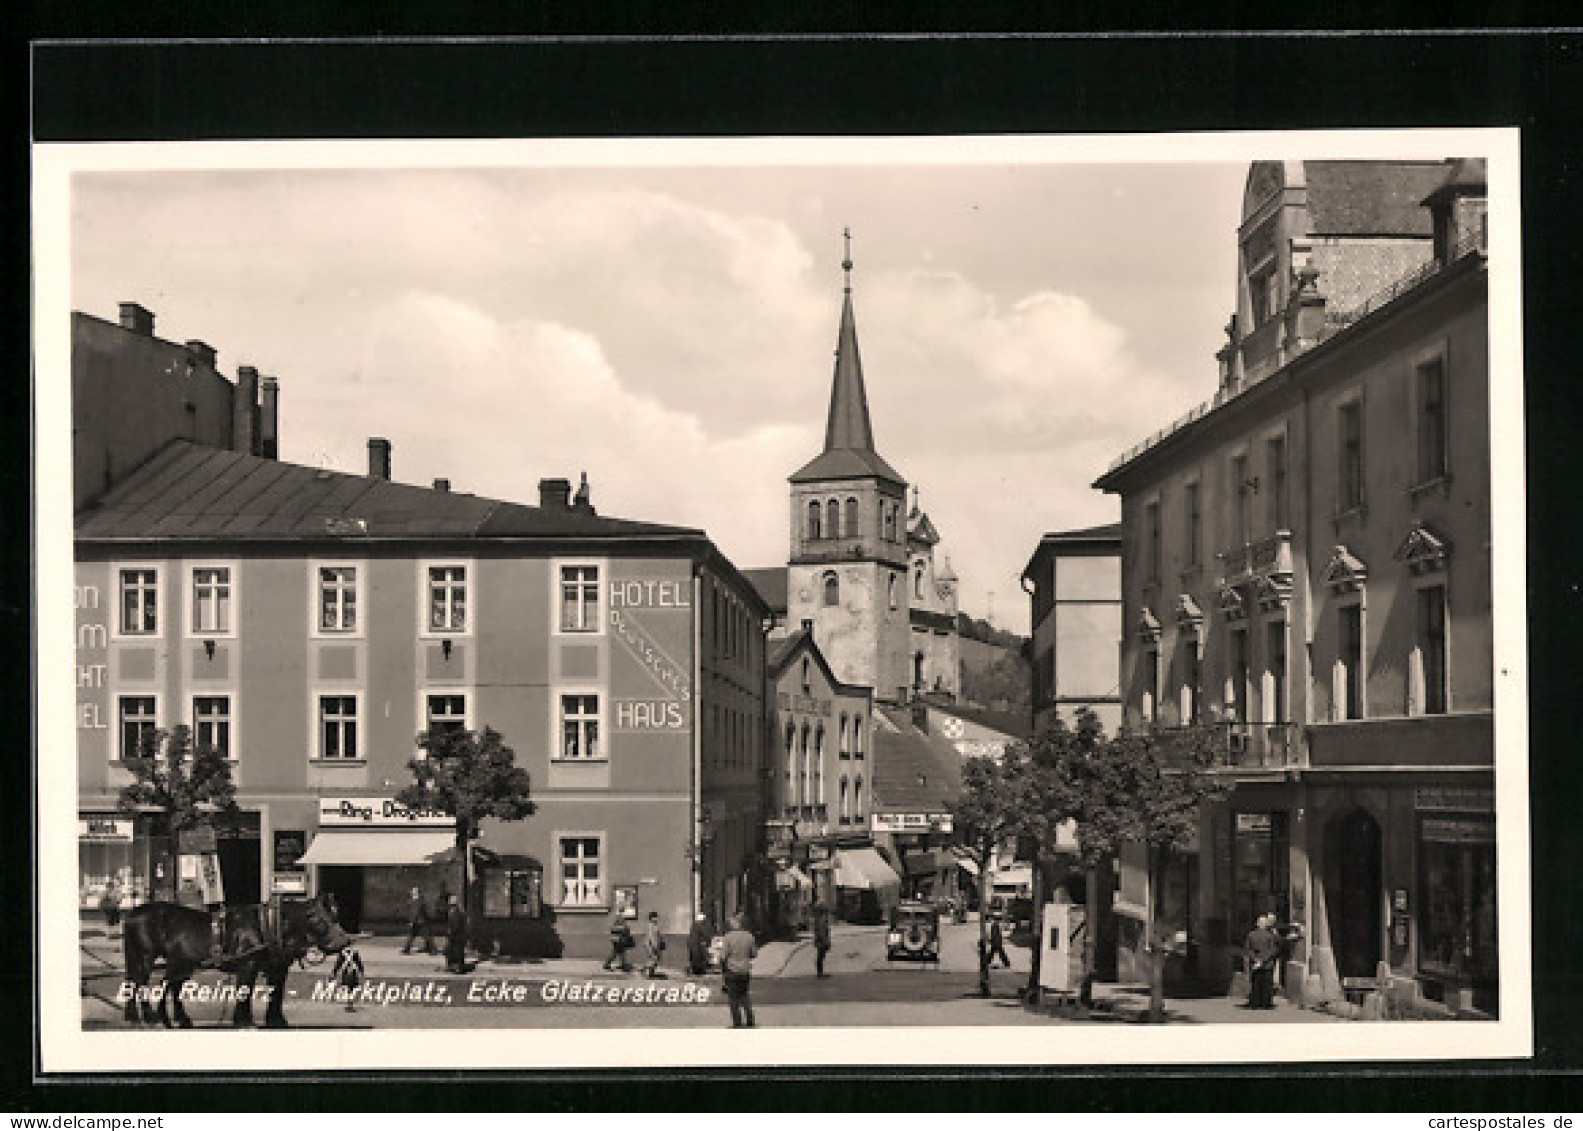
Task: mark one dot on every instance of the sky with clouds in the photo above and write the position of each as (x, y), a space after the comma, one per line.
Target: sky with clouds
(670, 330)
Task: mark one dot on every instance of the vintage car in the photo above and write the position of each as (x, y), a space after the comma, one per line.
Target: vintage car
(914, 932)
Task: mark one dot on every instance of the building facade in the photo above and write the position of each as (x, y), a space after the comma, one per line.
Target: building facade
(310, 624)
(1073, 582)
(1306, 565)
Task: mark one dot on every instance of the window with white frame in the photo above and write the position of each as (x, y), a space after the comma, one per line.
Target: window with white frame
(580, 728)
(818, 766)
(211, 599)
(338, 728)
(846, 802)
(857, 798)
(447, 586)
(139, 602)
(211, 723)
(582, 882)
(845, 750)
(337, 599)
(445, 711)
(857, 736)
(137, 723)
(791, 764)
(580, 598)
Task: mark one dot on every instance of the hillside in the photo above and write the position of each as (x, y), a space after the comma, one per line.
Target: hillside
(996, 675)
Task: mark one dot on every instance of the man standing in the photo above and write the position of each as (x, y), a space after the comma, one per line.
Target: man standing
(1261, 948)
(821, 937)
(418, 920)
(698, 940)
(654, 943)
(620, 943)
(997, 944)
(737, 963)
(456, 937)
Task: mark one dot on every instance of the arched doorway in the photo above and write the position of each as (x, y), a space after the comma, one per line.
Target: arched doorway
(1354, 896)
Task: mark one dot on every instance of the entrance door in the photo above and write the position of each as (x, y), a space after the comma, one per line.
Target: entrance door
(345, 883)
(1355, 901)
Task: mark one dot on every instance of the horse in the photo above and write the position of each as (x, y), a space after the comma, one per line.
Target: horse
(185, 939)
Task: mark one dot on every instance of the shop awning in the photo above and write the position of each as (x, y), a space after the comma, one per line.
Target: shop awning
(863, 868)
(968, 865)
(400, 846)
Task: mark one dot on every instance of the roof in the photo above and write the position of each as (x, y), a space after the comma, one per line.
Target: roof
(913, 771)
(783, 652)
(770, 581)
(1090, 537)
(1009, 723)
(848, 435)
(1371, 198)
(189, 492)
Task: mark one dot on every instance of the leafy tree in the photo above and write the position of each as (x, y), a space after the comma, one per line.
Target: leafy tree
(1145, 787)
(471, 775)
(992, 808)
(184, 785)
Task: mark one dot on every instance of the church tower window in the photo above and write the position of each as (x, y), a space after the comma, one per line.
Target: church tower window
(832, 590)
(832, 519)
(813, 521)
(851, 527)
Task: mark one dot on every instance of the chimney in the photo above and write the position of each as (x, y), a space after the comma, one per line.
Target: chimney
(379, 457)
(203, 351)
(268, 420)
(583, 501)
(920, 715)
(555, 493)
(442, 484)
(244, 429)
(138, 319)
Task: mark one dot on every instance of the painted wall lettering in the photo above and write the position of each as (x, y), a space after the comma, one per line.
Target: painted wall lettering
(650, 595)
(649, 714)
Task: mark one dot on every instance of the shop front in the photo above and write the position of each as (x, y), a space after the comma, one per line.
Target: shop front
(867, 888)
(121, 848)
(368, 853)
(1458, 960)
(217, 863)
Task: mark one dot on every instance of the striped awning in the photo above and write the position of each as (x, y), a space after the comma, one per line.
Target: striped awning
(397, 846)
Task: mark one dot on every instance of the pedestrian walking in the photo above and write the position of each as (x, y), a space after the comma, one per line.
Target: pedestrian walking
(654, 944)
(1261, 949)
(456, 937)
(997, 944)
(348, 974)
(737, 964)
(110, 904)
(821, 937)
(698, 940)
(620, 943)
(418, 921)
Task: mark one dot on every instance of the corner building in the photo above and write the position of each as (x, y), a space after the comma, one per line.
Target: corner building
(1306, 566)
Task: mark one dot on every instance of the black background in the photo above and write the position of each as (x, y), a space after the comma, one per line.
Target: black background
(797, 82)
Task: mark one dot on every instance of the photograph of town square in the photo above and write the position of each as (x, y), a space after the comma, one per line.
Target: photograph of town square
(1004, 594)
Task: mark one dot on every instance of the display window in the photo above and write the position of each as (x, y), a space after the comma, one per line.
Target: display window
(1457, 928)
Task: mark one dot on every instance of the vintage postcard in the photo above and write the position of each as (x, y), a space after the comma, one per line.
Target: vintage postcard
(1026, 600)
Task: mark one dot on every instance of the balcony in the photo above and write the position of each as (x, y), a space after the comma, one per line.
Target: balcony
(1267, 559)
(1261, 746)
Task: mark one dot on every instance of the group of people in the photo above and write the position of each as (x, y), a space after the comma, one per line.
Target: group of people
(734, 952)
(621, 941)
(1263, 948)
(419, 921)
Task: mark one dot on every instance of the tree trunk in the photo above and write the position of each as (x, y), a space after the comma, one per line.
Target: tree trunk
(1090, 935)
(1155, 943)
(462, 855)
(1036, 918)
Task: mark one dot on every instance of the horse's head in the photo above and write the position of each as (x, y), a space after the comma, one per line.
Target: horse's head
(318, 928)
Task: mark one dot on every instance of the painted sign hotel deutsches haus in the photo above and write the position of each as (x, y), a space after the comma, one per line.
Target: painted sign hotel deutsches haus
(637, 623)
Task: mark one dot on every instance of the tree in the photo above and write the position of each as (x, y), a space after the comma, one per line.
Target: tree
(1145, 787)
(186, 786)
(992, 809)
(471, 775)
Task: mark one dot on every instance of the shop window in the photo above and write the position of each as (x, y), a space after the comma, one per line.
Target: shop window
(448, 598)
(1261, 848)
(211, 723)
(337, 599)
(139, 602)
(338, 728)
(580, 598)
(137, 724)
(580, 728)
(211, 599)
(1432, 648)
(1457, 928)
(582, 883)
(832, 590)
(513, 893)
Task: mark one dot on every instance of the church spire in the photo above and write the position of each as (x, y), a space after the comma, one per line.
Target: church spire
(848, 424)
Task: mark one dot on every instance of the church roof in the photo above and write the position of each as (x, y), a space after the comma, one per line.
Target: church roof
(848, 434)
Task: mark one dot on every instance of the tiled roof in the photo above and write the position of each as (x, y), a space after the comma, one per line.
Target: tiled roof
(1371, 198)
(770, 581)
(781, 650)
(186, 491)
(1008, 723)
(913, 772)
(845, 463)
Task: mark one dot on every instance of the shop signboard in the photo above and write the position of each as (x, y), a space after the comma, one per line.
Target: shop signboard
(101, 829)
(288, 883)
(910, 822)
(377, 812)
(1456, 799)
(1458, 830)
(290, 844)
(1254, 824)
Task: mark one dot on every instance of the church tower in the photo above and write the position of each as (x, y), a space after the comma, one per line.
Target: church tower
(847, 574)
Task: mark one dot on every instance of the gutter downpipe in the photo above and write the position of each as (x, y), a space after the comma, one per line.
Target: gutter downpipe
(696, 766)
